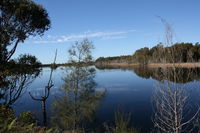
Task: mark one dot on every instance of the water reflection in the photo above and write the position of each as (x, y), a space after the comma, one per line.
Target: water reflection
(183, 75)
(14, 82)
(178, 75)
(76, 109)
(44, 97)
(173, 110)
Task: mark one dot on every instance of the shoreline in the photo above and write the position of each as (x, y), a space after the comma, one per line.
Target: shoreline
(153, 65)
(184, 65)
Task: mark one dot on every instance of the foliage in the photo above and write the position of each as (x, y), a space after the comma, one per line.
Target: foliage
(142, 56)
(121, 124)
(27, 118)
(17, 74)
(76, 109)
(179, 52)
(101, 61)
(20, 19)
(6, 115)
(81, 52)
(27, 59)
(24, 124)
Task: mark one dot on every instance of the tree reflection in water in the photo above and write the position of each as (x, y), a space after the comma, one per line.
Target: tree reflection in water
(14, 82)
(47, 89)
(76, 109)
(173, 110)
(177, 74)
(44, 98)
(183, 75)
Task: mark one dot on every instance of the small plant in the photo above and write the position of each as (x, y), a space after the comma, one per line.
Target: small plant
(27, 118)
(121, 124)
(6, 115)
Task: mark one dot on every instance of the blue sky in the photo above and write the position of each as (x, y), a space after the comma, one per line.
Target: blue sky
(116, 27)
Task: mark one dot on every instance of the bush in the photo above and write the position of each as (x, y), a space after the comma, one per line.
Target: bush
(27, 118)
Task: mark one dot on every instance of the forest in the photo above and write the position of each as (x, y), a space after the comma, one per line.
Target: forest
(177, 53)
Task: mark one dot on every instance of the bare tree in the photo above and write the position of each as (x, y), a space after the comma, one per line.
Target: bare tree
(46, 92)
(172, 110)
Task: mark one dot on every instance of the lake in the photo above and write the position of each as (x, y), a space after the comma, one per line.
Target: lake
(127, 89)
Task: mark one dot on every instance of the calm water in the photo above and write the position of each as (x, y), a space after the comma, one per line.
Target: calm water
(128, 89)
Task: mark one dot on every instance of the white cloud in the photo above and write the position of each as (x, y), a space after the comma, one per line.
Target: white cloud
(88, 34)
(113, 37)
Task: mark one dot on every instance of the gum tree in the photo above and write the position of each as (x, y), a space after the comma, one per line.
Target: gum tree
(20, 19)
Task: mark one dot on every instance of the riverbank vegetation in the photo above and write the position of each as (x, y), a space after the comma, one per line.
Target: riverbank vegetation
(177, 53)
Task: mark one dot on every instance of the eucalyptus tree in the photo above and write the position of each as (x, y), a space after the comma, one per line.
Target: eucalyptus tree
(20, 19)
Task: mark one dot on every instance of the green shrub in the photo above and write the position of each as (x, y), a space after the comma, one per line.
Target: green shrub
(121, 124)
(27, 118)
(6, 114)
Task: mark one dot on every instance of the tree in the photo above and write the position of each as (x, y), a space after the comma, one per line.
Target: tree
(20, 19)
(170, 99)
(81, 52)
(142, 56)
(76, 108)
(46, 94)
(172, 111)
(27, 59)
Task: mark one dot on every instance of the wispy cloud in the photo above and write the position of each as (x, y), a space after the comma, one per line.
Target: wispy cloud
(88, 34)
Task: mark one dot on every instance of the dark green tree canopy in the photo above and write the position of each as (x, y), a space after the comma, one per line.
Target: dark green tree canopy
(20, 19)
(179, 52)
(27, 59)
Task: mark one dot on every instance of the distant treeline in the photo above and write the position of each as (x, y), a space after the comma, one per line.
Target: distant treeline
(68, 64)
(179, 52)
(116, 59)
